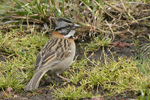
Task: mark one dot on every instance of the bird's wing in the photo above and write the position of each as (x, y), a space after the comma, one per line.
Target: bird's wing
(52, 55)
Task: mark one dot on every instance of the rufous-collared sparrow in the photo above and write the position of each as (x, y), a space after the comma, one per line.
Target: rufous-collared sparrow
(57, 54)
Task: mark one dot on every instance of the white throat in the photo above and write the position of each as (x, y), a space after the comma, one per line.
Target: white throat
(71, 33)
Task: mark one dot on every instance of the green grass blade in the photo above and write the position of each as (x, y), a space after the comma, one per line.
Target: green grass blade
(40, 8)
(24, 7)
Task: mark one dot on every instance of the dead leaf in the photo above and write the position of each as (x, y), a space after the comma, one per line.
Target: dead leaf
(120, 44)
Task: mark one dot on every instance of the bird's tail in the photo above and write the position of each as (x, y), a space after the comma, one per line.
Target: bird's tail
(34, 82)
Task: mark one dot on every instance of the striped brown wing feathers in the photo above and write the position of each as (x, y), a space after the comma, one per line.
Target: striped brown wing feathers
(54, 51)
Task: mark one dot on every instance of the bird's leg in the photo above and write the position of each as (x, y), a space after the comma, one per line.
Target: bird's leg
(62, 77)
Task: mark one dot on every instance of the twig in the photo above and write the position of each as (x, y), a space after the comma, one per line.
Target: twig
(103, 9)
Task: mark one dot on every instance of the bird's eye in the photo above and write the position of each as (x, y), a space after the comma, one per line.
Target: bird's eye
(68, 27)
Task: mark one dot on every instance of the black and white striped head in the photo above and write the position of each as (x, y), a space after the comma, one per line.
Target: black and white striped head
(66, 27)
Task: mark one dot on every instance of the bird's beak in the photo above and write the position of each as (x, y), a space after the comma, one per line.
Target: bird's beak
(77, 26)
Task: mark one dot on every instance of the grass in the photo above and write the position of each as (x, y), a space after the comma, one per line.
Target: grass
(89, 77)
(104, 80)
(20, 52)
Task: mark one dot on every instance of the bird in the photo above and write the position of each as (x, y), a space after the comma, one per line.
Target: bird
(57, 54)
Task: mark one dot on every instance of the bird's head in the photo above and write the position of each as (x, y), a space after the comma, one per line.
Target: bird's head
(66, 27)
